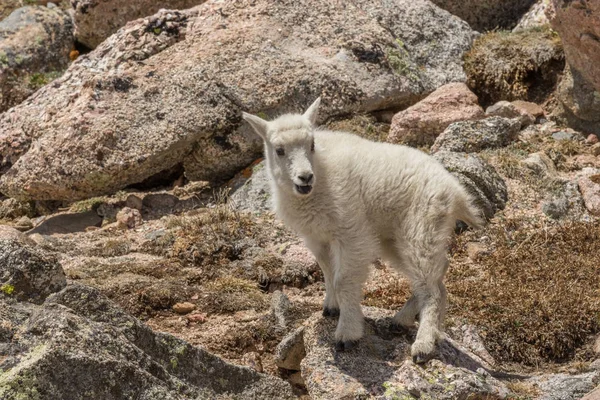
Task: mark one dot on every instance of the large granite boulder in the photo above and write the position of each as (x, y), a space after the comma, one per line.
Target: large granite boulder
(169, 89)
(35, 43)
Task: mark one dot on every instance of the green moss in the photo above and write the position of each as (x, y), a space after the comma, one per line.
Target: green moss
(393, 392)
(88, 205)
(39, 79)
(7, 289)
(157, 31)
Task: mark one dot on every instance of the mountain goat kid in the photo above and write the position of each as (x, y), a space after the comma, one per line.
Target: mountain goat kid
(352, 201)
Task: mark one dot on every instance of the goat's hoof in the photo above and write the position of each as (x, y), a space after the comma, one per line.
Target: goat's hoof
(422, 358)
(331, 312)
(346, 345)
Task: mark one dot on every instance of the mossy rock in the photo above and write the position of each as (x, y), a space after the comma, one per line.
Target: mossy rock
(523, 65)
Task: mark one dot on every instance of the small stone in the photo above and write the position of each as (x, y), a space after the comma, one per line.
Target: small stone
(129, 218)
(541, 165)
(597, 346)
(509, 110)
(596, 149)
(24, 224)
(590, 190)
(562, 135)
(529, 107)
(196, 317)
(586, 160)
(184, 308)
(134, 202)
(290, 351)
(592, 139)
(476, 250)
(253, 360)
(280, 306)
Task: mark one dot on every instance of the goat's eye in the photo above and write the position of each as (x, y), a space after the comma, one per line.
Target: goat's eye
(312, 146)
(280, 151)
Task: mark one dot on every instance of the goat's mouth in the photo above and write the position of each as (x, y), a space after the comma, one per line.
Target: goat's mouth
(306, 189)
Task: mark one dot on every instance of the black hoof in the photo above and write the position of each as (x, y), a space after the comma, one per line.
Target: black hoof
(346, 346)
(331, 312)
(421, 358)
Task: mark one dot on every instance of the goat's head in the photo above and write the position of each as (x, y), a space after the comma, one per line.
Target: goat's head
(289, 148)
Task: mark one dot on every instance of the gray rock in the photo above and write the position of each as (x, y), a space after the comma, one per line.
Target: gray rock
(95, 20)
(535, 16)
(474, 136)
(67, 223)
(509, 110)
(381, 367)
(11, 209)
(26, 272)
(568, 203)
(541, 165)
(562, 135)
(564, 386)
(280, 306)
(79, 345)
(34, 49)
(252, 193)
(480, 179)
(169, 89)
(290, 351)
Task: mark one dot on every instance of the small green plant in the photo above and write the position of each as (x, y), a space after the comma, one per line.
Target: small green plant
(7, 289)
(39, 79)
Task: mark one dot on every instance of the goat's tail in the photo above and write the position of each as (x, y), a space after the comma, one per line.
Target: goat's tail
(466, 211)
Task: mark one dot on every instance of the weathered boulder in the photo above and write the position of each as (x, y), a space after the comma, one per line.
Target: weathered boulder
(474, 136)
(578, 24)
(421, 123)
(487, 14)
(524, 65)
(34, 49)
(26, 272)
(95, 20)
(479, 178)
(171, 88)
(251, 190)
(79, 345)
(535, 16)
(381, 368)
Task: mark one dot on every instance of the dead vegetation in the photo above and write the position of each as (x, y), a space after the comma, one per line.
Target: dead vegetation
(509, 66)
(535, 296)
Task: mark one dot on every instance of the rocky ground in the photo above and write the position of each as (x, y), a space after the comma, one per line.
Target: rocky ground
(138, 254)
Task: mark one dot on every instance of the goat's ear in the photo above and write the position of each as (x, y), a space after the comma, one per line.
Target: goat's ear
(258, 124)
(313, 111)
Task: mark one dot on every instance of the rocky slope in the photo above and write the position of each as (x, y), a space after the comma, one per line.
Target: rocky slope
(177, 282)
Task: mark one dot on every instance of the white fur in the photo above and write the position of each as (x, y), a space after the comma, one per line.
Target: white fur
(368, 200)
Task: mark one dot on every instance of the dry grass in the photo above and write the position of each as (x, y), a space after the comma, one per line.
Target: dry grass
(511, 66)
(230, 294)
(363, 125)
(535, 297)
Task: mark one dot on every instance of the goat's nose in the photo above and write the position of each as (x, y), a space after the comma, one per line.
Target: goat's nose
(306, 178)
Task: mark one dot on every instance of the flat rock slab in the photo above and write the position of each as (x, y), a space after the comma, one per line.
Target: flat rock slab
(381, 367)
(169, 89)
(67, 223)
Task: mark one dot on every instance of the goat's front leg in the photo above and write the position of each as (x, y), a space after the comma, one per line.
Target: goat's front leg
(350, 273)
(322, 253)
